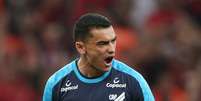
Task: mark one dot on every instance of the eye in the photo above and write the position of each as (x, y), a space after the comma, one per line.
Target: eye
(114, 40)
(102, 43)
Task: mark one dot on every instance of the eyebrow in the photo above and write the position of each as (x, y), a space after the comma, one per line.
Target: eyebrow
(105, 42)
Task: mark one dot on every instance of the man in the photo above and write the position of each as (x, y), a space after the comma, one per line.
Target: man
(96, 75)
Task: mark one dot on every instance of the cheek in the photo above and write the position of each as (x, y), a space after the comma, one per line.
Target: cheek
(96, 51)
(95, 55)
(101, 50)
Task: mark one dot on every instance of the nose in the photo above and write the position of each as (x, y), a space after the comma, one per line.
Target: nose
(111, 48)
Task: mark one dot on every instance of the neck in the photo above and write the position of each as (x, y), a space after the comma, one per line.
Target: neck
(87, 69)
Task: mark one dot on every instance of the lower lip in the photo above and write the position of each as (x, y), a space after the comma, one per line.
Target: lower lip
(108, 64)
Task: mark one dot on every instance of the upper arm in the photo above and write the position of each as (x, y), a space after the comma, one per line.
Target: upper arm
(47, 94)
(146, 91)
(136, 91)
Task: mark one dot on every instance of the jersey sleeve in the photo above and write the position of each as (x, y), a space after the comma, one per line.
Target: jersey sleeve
(146, 91)
(47, 95)
(53, 80)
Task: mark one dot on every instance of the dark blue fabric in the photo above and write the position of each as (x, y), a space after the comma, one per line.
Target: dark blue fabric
(121, 83)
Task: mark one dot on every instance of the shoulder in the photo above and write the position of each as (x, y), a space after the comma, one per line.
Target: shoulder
(122, 67)
(58, 75)
(55, 78)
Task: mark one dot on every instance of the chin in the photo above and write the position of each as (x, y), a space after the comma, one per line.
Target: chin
(106, 68)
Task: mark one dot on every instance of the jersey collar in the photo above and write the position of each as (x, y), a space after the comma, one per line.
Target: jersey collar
(89, 80)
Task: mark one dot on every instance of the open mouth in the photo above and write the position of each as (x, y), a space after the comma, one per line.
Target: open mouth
(108, 59)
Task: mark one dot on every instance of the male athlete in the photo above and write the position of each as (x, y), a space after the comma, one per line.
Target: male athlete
(96, 75)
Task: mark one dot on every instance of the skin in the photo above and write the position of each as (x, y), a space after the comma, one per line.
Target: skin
(93, 52)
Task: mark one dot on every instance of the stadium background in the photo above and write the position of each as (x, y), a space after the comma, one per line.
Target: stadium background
(160, 38)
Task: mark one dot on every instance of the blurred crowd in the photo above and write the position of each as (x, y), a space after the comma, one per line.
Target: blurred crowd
(159, 38)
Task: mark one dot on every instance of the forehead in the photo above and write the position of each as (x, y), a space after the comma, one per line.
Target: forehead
(102, 34)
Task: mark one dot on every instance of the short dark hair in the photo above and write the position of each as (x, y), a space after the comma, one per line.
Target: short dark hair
(86, 22)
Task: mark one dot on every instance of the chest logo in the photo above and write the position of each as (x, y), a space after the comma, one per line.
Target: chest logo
(115, 97)
(116, 84)
(69, 86)
(68, 83)
(116, 80)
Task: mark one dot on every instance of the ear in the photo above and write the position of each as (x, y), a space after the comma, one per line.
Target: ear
(80, 47)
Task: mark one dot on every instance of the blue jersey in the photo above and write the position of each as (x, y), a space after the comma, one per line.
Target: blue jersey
(120, 83)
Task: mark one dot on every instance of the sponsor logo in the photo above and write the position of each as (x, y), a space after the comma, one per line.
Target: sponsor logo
(69, 86)
(68, 83)
(115, 97)
(116, 84)
(116, 80)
